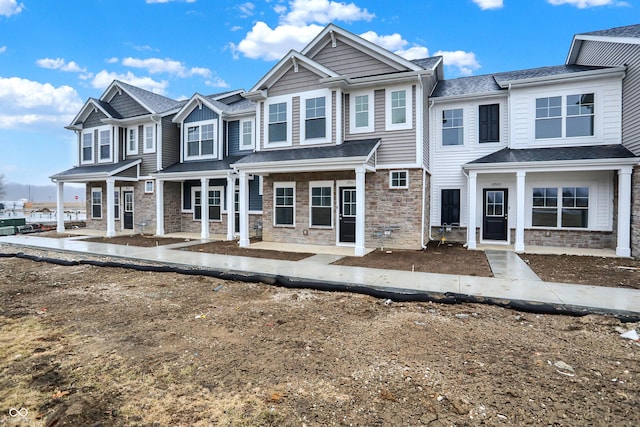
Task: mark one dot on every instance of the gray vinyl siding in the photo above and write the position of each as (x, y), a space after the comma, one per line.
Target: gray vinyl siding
(127, 106)
(293, 82)
(94, 119)
(604, 53)
(346, 60)
(295, 117)
(201, 114)
(255, 199)
(129, 173)
(428, 88)
(233, 137)
(170, 142)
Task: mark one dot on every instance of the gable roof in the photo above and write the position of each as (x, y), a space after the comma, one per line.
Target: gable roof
(230, 107)
(100, 171)
(90, 105)
(152, 102)
(629, 34)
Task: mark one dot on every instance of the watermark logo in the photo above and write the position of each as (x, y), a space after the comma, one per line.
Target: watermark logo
(22, 412)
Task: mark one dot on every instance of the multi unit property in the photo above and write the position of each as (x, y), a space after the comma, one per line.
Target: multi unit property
(345, 143)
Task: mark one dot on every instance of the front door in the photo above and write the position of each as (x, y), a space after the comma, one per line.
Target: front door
(494, 224)
(128, 210)
(347, 215)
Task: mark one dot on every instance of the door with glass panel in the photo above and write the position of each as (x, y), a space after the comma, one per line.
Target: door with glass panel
(128, 209)
(494, 224)
(347, 221)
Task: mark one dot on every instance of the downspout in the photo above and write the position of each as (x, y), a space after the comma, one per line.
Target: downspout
(424, 172)
(424, 202)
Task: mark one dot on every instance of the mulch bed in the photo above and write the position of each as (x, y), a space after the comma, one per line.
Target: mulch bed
(232, 248)
(137, 240)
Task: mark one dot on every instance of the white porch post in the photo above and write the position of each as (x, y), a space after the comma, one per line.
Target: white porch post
(244, 209)
(231, 217)
(360, 212)
(204, 208)
(624, 212)
(471, 221)
(111, 213)
(520, 198)
(60, 206)
(159, 207)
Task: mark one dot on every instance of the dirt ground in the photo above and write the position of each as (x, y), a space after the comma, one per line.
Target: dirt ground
(88, 346)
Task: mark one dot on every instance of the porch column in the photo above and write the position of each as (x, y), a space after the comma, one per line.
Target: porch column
(520, 197)
(471, 221)
(624, 212)
(244, 209)
(360, 212)
(159, 207)
(111, 212)
(204, 208)
(231, 217)
(60, 206)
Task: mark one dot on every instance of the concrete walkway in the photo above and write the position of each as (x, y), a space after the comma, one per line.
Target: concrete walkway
(512, 285)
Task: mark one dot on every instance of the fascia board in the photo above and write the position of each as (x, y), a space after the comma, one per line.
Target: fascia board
(622, 40)
(191, 175)
(552, 166)
(189, 106)
(583, 75)
(302, 165)
(468, 97)
(284, 65)
(346, 82)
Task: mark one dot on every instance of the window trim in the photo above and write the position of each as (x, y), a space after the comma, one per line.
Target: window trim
(284, 184)
(559, 208)
(564, 115)
(406, 179)
(241, 144)
(370, 112)
(288, 101)
(193, 210)
(328, 108)
(149, 186)
(93, 205)
(145, 135)
(443, 128)
(321, 184)
(117, 202)
(101, 130)
(82, 147)
(408, 124)
(199, 125)
(135, 131)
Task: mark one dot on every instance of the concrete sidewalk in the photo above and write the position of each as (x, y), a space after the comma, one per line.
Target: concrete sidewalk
(522, 288)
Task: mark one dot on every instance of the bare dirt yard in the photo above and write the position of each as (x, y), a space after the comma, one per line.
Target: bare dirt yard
(100, 346)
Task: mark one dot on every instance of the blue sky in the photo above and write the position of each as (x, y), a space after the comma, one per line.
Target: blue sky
(56, 54)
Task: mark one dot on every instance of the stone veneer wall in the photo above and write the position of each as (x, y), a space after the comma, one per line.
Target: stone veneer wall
(189, 225)
(172, 207)
(384, 207)
(635, 213)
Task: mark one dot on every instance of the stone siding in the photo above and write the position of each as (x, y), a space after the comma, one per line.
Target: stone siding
(172, 207)
(635, 213)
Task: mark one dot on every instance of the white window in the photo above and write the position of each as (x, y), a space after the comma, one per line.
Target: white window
(278, 122)
(87, 147)
(246, 134)
(565, 207)
(578, 119)
(96, 203)
(105, 148)
(361, 112)
(398, 111)
(214, 203)
(321, 204)
(132, 141)
(399, 179)
(284, 196)
(452, 127)
(200, 140)
(149, 139)
(549, 117)
(148, 186)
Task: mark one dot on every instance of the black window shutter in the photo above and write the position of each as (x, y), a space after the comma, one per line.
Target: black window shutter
(489, 123)
(450, 207)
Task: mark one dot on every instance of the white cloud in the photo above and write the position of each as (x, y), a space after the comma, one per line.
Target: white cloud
(104, 79)
(304, 12)
(60, 64)
(489, 4)
(169, 66)
(113, 60)
(216, 82)
(246, 9)
(3, 49)
(25, 102)
(271, 44)
(414, 52)
(10, 7)
(392, 42)
(465, 62)
(584, 4)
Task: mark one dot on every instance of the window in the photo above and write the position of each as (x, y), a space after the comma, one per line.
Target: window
(489, 123)
(580, 115)
(399, 179)
(361, 112)
(578, 121)
(214, 201)
(246, 136)
(574, 212)
(284, 204)
(278, 122)
(148, 187)
(87, 147)
(116, 203)
(132, 141)
(96, 203)
(149, 140)
(321, 206)
(398, 111)
(105, 146)
(450, 207)
(201, 140)
(452, 127)
(549, 117)
(315, 118)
